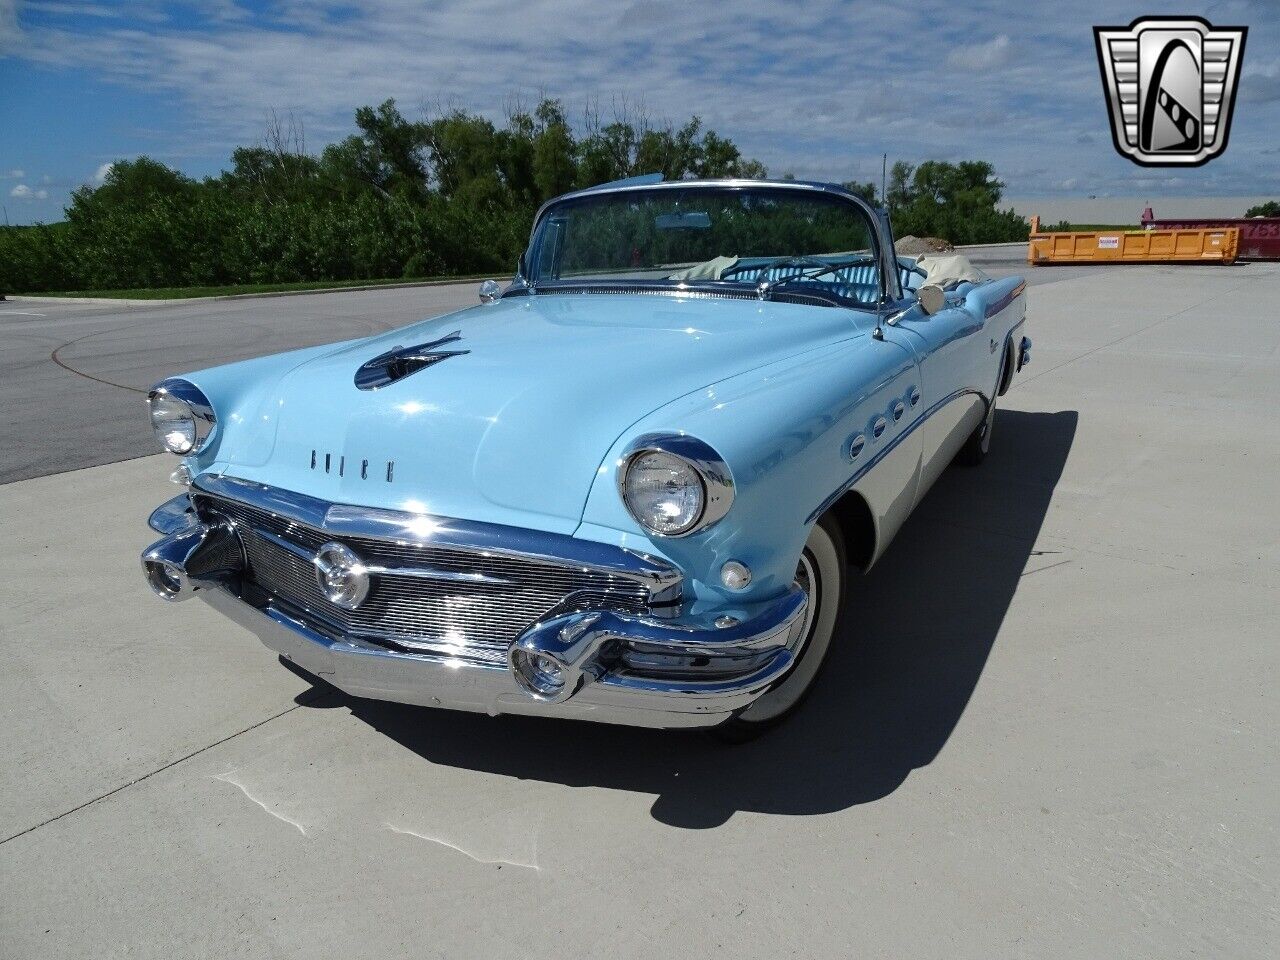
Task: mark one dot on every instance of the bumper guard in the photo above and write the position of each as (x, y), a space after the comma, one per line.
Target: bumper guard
(588, 665)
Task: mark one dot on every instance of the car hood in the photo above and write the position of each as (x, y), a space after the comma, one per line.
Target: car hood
(513, 425)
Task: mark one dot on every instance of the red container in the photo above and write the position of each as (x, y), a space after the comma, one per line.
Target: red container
(1259, 237)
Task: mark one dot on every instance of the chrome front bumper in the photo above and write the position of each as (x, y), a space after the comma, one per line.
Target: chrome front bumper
(612, 661)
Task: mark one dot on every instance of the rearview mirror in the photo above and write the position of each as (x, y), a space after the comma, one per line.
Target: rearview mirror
(490, 290)
(693, 220)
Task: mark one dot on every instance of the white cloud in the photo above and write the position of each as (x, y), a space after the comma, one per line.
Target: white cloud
(1260, 82)
(14, 174)
(100, 175)
(10, 35)
(996, 52)
(780, 80)
(62, 8)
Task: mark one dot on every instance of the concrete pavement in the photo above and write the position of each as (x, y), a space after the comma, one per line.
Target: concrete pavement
(1051, 732)
(72, 375)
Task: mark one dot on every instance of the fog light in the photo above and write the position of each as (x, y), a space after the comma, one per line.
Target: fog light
(539, 674)
(735, 575)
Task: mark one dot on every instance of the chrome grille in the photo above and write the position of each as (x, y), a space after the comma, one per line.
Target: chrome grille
(476, 619)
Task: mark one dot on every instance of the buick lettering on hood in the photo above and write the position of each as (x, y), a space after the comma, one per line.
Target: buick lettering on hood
(632, 485)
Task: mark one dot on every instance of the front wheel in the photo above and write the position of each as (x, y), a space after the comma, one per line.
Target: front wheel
(978, 445)
(822, 575)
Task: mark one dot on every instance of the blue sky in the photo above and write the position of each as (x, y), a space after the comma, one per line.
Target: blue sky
(818, 89)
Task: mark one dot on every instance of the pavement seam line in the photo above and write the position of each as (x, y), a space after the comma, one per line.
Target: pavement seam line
(318, 695)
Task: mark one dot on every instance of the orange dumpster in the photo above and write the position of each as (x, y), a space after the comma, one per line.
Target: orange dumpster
(1216, 245)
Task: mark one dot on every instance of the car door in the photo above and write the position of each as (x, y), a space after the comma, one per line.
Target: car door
(953, 354)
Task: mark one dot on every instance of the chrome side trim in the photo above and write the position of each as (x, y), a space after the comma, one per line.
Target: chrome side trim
(845, 487)
(535, 546)
(717, 478)
(888, 448)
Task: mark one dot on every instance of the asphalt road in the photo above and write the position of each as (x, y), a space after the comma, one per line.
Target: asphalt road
(1050, 732)
(72, 376)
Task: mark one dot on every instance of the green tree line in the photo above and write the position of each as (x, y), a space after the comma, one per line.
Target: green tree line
(446, 196)
(958, 202)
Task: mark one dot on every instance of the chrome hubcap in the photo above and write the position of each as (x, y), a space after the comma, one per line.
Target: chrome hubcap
(806, 580)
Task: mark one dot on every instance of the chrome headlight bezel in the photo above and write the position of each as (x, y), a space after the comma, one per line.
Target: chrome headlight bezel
(196, 407)
(712, 472)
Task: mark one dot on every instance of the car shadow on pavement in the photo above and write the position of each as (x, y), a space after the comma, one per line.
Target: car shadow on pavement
(918, 632)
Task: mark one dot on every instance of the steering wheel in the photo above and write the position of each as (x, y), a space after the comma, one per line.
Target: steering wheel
(833, 268)
(738, 268)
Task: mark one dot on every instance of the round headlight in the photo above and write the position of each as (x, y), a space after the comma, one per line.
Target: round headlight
(663, 492)
(674, 484)
(181, 416)
(174, 424)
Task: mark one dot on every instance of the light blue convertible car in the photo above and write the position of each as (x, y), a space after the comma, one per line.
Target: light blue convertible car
(632, 486)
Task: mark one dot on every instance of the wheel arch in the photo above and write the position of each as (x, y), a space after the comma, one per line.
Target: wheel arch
(1010, 366)
(858, 527)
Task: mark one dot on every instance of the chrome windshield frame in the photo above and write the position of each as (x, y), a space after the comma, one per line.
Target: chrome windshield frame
(889, 283)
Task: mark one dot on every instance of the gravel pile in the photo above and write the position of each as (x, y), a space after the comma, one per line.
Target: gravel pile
(910, 246)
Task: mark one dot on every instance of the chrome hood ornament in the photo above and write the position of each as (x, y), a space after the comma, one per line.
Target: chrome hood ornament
(399, 362)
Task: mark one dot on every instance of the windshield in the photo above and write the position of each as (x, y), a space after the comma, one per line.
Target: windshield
(770, 239)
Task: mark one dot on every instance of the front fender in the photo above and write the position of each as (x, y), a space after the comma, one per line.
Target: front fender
(240, 395)
(785, 432)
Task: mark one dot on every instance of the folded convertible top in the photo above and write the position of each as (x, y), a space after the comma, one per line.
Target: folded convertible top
(948, 269)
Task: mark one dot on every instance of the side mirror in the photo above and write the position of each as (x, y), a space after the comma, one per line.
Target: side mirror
(932, 298)
(490, 290)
